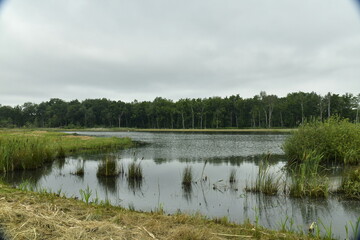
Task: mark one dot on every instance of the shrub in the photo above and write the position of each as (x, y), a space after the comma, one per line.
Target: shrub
(336, 140)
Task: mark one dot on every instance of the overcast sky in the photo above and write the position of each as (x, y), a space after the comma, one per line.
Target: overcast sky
(141, 49)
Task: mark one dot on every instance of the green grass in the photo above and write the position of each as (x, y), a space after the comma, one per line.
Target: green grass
(350, 185)
(26, 149)
(135, 172)
(108, 167)
(336, 140)
(266, 182)
(307, 178)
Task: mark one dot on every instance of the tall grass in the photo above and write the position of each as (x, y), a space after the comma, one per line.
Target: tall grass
(266, 182)
(350, 185)
(135, 172)
(108, 167)
(31, 149)
(307, 178)
(336, 140)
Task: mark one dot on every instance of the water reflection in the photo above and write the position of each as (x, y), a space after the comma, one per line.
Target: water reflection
(187, 192)
(135, 185)
(108, 183)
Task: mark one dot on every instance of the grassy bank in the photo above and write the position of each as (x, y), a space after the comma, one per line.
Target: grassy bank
(29, 215)
(25, 149)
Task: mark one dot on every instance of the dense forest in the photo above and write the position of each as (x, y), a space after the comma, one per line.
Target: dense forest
(261, 111)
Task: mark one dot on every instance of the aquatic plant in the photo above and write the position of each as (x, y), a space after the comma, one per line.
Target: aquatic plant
(266, 182)
(79, 171)
(135, 171)
(108, 167)
(350, 184)
(31, 149)
(307, 178)
(187, 176)
(232, 177)
(335, 139)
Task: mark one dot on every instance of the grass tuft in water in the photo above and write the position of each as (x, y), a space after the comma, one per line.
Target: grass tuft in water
(350, 185)
(306, 177)
(108, 167)
(266, 182)
(80, 171)
(135, 171)
(187, 176)
(232, 177)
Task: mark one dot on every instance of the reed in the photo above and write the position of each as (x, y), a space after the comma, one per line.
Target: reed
(108, 167)
(135, 171)
(336, 139)
(266, 182)
(187, 176)
(307, 178)
(350, 184)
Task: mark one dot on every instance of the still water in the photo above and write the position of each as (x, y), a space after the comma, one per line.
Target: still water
(212, 157)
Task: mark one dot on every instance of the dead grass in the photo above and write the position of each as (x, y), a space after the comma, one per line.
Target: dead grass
(28, 215)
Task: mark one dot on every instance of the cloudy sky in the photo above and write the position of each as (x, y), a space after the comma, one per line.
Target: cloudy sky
(141, 49)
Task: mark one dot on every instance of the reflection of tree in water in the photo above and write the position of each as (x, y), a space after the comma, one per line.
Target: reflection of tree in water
(351, 207)
(32, 176)
(233, 161)
(109, 183)
(310, 209)
(187, 192)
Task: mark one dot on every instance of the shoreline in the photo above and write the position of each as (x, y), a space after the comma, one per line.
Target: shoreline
(25, 214)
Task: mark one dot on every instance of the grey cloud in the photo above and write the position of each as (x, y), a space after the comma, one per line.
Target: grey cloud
(142, 49)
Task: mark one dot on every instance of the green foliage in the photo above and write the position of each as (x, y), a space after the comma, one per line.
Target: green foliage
(31, 149)
(306, 178)
(135, 172)
(350, 185)
(266, 182)
(85, 194)
(335, 139)
(261, 111)
(108, 167)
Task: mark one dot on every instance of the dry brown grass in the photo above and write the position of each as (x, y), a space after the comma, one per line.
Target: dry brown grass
(28, 215)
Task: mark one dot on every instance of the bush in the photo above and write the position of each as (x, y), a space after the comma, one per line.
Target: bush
(336, 140)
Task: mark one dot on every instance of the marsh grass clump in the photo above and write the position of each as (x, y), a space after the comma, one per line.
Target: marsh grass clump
(307, 178)
(135, 172)
(80, 171)
(232, 177)
(266, 182)
(350, 185)
(335, 139)
(108, 167)
(187, 176)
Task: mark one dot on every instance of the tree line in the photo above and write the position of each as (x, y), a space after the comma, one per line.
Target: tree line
(260, 111)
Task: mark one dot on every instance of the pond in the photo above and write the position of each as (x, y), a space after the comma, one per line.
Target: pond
(212, 157)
